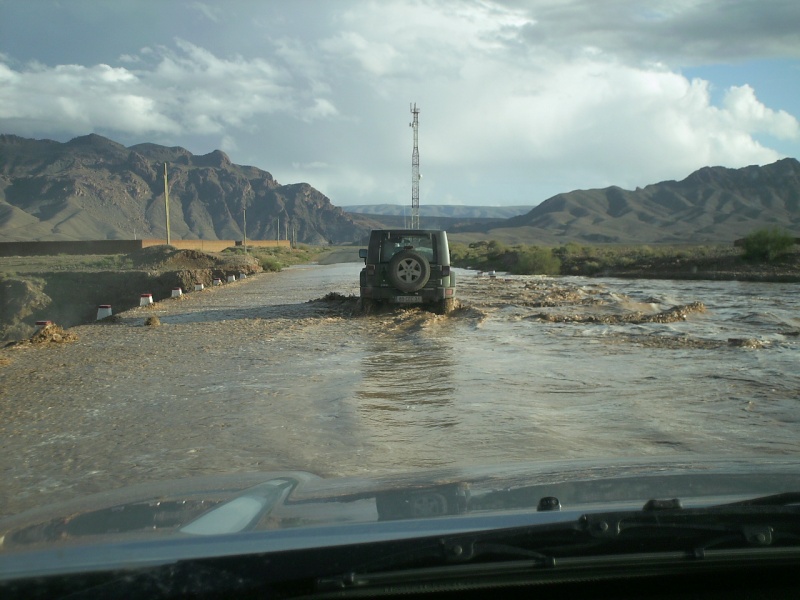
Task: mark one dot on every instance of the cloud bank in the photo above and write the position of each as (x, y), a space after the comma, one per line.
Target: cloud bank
(520, 100)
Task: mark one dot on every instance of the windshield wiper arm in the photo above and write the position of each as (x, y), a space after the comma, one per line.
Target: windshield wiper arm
(663, 528)
(782, 499)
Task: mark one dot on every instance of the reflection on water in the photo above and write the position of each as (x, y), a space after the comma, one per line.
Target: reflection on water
(408, 381)
(266, 380)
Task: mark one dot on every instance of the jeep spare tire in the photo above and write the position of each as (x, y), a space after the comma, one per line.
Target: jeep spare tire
(409, 271)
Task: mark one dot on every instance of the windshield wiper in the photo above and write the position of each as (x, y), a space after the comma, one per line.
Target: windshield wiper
(783, 499)
(662, 531)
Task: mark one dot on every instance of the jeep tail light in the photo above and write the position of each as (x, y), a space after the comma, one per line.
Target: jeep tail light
(446, 271)
(370, 269)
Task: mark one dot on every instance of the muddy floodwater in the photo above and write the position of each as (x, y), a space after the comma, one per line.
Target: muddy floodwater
(280, 371)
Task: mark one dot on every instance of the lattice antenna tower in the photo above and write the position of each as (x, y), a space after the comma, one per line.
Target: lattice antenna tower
(415, 169)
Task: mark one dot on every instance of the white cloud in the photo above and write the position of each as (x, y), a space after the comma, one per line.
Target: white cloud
(228, 144)
(549, 109)
(747, 112)
(521, 97)
(209, 11)
(317, 164)
(375, 57)
(183, 90)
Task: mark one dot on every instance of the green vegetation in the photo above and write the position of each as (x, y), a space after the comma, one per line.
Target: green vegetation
(541, 261)
(767, 244)
(276, 258)
(493, 255)
(593, 260)
(65, 262)
(577, 259)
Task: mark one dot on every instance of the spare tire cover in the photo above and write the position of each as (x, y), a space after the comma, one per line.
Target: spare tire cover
(409, 271)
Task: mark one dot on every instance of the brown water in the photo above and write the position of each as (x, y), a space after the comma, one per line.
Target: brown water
(254, 377)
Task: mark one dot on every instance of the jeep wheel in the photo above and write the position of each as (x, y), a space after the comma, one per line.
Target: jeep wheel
(409, 271)
(368, 306)
(445, 306)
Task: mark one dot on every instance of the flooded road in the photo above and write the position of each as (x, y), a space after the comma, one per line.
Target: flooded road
(281, 372)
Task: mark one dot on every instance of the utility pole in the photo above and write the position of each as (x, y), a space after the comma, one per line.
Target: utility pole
(244, 231)
(166, 199)
(246, 193)
(415, 169)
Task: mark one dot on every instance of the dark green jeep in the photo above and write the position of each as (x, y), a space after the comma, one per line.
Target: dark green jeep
(408, 266)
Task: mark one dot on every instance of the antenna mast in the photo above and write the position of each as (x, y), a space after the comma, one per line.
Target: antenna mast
(415, 169)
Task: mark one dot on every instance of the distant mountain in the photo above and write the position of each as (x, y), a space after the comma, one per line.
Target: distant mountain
(434, 216)
(440, 210)
(713, 204)
(94, 188)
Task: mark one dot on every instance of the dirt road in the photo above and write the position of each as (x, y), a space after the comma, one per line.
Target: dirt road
(281, 372)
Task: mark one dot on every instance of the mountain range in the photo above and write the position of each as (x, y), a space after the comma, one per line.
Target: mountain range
(445, 211)
(93, 188)
(713, 204)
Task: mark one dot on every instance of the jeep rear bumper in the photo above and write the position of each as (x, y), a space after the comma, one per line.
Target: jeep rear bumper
(389, 294)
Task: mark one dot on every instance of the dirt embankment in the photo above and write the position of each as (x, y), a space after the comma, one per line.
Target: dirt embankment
(46, 291)
(731, 267)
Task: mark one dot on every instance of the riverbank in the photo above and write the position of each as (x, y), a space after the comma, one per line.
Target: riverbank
(730, 267)
(714, 263)
(67, 289)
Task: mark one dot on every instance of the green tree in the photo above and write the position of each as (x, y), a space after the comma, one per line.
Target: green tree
(767, 244)
(537, 261)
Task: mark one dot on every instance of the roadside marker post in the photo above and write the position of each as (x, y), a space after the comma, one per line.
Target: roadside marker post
(199, 287)
(231, 278)
(146, 299)
(103, 311)
(177, 292)
(217, 281)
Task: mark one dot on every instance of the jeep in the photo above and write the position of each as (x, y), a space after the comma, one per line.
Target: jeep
(408, 266)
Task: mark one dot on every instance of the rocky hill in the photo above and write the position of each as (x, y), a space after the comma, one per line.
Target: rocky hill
(713, 204)
(441, 211)
(93, 188)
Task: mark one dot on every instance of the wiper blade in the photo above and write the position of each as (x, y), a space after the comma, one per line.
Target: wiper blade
(662, 529)
(783, 499)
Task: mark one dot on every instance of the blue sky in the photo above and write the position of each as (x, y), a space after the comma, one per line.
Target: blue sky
(520, 99)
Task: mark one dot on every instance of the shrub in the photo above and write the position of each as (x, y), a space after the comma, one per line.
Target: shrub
(270, 263)
(537, 261)
(767, 244)
(458, 252)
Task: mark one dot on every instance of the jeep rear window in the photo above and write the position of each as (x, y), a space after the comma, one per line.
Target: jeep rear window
(423, 244)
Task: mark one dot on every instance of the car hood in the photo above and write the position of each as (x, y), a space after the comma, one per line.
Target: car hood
(295, 510)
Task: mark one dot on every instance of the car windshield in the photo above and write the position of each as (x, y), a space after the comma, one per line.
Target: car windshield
(273, 266)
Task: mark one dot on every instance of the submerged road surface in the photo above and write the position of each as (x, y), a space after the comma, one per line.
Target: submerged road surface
(281, 371)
